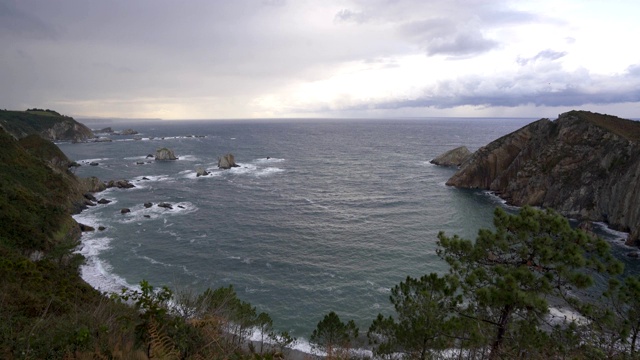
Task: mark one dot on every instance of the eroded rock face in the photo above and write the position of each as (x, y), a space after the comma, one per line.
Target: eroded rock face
(584, 165)
(454, 157)
(165, 154)
(227, 162)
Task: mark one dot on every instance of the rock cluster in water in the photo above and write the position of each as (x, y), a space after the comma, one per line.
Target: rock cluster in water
(584, 165)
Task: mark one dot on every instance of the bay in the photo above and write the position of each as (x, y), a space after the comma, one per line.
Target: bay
(322, 215)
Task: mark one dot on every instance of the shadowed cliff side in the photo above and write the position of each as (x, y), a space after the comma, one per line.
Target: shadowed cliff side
(585, 165)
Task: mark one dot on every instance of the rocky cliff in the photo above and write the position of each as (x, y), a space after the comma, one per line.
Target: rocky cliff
(48, 124)
(584, 165)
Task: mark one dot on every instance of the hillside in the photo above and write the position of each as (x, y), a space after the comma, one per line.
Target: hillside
(584, 165)
(46, 123)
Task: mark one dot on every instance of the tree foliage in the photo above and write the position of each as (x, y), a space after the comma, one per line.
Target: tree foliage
(331, 334)
(508, 275)
(423, 322)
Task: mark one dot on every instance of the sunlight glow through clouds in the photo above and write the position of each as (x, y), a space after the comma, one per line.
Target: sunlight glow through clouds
(328, 58)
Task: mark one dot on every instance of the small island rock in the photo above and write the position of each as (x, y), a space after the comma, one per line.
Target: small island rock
(201, 172)
(454, 157)
(227, 162)
(165, 154)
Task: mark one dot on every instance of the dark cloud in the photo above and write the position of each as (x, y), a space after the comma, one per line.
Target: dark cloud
(556, 89)
(444, 37)
(542, 56)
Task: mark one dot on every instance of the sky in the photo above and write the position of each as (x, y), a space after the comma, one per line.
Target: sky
(208, 59)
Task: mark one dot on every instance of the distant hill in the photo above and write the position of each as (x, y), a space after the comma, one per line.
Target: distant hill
(47, 123)
(584, 165)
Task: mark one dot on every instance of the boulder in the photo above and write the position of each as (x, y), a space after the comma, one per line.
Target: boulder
(453, 158)
(120, 184)
(125, 210)
(147, 216)
(165, 205)
(201, 172)
(93, 163)
(150, 156)
(227, 161)
(103, 201)
(165, 154)
(148, 205)
(85, 228)
(89, 196)
(101, 228)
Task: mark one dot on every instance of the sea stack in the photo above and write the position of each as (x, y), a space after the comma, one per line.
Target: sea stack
(165, 154)
(227, 162)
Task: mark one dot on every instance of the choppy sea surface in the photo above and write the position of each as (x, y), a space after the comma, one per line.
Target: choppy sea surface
(321, 215)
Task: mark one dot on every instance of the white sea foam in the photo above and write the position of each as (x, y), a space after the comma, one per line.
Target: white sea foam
(95, 271)
(269, 160)
(187, 158)
(138, 212)
(88, 161)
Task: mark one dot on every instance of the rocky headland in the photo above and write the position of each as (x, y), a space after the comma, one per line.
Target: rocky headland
(45, 123)
(584, 165)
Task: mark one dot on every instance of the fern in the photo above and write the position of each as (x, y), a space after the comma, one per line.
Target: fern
(160, 345)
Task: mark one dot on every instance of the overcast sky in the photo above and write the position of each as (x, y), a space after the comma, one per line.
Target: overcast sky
(193, 59)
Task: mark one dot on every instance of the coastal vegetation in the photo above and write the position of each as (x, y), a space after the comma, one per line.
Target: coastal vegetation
(497, 301)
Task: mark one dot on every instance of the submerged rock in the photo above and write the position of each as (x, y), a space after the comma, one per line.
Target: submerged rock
(165, 205)
(454, 157)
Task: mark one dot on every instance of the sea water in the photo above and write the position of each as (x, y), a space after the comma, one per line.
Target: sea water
(321, 215)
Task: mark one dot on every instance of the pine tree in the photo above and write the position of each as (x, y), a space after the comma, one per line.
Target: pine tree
(508, 275)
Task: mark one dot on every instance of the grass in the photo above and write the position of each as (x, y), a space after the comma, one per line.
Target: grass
(627, 129)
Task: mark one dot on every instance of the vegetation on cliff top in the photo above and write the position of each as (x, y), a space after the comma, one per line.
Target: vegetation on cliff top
(41, 122)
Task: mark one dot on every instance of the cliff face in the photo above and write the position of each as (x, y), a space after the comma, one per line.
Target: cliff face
(584, 165)
(49, 125)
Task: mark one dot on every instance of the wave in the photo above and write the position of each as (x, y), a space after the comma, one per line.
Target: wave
(140, 213)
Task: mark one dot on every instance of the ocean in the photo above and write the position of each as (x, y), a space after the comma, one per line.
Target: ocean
(322, 215)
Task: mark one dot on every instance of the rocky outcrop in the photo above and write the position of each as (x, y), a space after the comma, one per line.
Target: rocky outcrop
(120, 184)
(45, 123)
(165, 154)
(584, 165)
(93, 184)
(227, 162)
(454, 157)
(201, 172)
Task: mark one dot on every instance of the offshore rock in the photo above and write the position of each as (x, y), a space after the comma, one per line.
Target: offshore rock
(201, 172)
(45, 123)
(227, 162)
(454, 157)
(120, 184)
(165, 154)
(584, 165)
